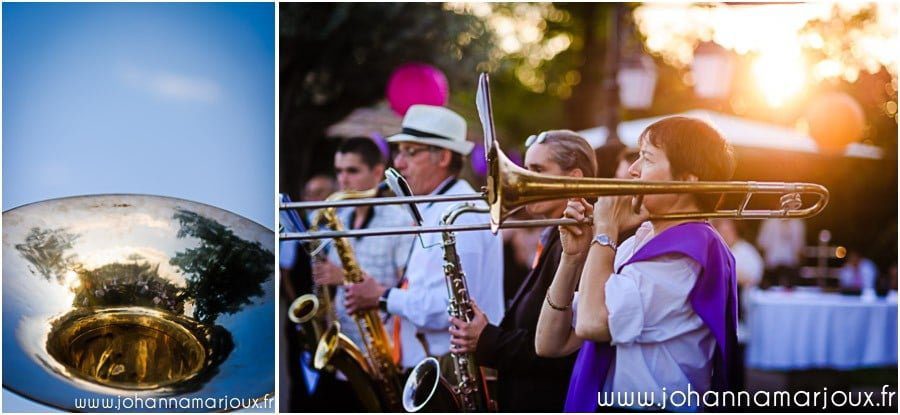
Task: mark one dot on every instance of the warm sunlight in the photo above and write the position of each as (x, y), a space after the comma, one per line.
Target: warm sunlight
(780, 74)
(778, 36)
(72, 280)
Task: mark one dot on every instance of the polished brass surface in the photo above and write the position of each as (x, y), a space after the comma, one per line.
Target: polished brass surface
(128, 348)
(303, 308)
(140, 296)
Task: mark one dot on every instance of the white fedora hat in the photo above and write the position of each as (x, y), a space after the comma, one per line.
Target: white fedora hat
(434, 126)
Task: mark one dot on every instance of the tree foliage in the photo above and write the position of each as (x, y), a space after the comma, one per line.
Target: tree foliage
(337, 57)
(46, 250)
(224, 272)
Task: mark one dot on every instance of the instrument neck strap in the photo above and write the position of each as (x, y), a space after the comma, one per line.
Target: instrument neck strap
(446, 187)
(370, 213)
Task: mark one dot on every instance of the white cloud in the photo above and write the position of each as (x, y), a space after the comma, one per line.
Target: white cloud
(172, 85)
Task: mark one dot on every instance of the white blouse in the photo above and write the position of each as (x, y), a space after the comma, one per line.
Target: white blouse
(662, 345)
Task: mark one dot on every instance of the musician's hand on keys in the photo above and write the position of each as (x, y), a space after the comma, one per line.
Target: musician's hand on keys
(575, 240)
(464, 336)
(327, 273)
(363, 295)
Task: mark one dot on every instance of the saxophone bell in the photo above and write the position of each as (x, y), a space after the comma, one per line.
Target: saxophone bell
(425, 386)
(328, 344)
(303, 309)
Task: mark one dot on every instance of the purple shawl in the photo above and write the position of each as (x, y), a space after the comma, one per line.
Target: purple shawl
(714, 299)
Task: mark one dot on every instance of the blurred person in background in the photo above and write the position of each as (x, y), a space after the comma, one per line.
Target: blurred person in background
(318, 187)
(782, 242)
(858, 273)
(626, 158)
(749, 264)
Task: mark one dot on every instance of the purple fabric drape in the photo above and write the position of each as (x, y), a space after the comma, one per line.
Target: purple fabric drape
(714, 299)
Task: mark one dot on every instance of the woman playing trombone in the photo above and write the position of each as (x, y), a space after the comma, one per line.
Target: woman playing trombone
(655, 314)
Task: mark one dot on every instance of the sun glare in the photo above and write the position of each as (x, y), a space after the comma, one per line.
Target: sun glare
(72, 280)
(780, 74)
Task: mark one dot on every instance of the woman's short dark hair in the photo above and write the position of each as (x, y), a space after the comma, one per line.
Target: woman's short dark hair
(693, 147)
(365, 148)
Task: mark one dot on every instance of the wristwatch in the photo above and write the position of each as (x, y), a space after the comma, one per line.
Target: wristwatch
(604, 240)
(382, 301)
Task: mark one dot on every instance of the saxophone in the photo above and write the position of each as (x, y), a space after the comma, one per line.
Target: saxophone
(469, 393)
(380, 365)
(314, 312)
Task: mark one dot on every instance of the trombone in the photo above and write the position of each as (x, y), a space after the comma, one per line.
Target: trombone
(510, 187)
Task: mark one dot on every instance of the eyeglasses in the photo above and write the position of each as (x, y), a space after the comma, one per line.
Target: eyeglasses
(411, 152)
(536, 139)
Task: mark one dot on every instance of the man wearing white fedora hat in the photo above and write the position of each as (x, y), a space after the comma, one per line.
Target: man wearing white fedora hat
(430, 152)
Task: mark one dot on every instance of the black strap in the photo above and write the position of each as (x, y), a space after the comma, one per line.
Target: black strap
(412, 246)
(443, 190)
(366, 221)
(423, 134)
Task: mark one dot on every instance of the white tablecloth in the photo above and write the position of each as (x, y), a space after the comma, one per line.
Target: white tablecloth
(805, 330)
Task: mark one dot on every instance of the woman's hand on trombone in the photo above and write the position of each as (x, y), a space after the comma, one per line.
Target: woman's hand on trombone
(576, 239)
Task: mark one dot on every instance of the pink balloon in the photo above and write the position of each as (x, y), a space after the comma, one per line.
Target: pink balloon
(416, 83)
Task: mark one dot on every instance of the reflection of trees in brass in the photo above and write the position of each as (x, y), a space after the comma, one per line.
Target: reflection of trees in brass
(224, 272)
(135, 284)
(46, 249)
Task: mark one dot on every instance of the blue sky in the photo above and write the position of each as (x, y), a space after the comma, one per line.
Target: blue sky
(170, 99)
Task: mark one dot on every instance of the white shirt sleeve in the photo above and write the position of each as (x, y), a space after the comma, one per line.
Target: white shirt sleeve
(648, 300)
(748, 263)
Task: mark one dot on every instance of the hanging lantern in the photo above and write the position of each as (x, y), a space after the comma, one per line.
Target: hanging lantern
(637, 81)
(712, 70)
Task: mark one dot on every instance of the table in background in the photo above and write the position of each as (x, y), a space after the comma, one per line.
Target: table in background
(798, 330)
